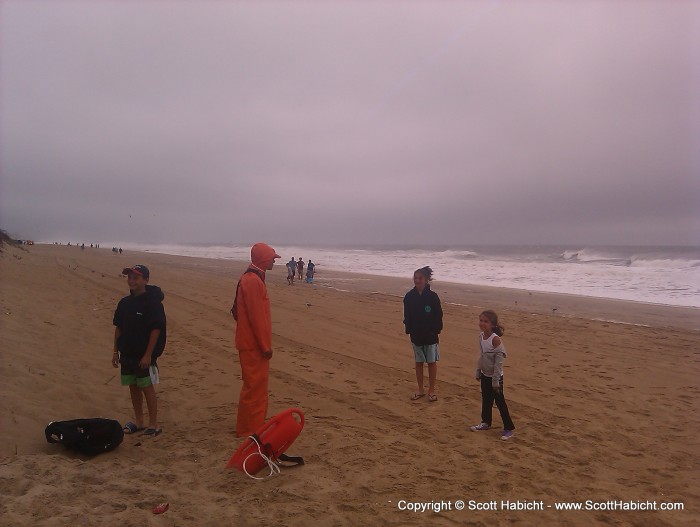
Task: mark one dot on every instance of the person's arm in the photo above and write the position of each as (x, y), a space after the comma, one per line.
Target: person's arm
(478, 362)
(438, 315)
(500, 352)
(115, 355)
(152, 340)
(406, 317)
(117, 322)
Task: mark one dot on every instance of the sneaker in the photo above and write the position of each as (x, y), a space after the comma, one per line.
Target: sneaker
(477, 428)
(507, 434)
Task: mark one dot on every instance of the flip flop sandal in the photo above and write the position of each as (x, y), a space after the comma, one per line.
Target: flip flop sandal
(152, 432)
(432, 397)
(417, 396)
(132, 428)
(161, 508)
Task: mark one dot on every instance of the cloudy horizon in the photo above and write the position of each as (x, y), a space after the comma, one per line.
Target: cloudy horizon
(352, 123)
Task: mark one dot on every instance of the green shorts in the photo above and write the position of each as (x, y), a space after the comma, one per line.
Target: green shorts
(140, 377)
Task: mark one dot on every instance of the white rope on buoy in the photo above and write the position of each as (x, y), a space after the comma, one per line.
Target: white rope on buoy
(274, 468)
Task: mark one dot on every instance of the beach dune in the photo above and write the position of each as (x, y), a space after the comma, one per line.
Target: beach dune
(604, 396)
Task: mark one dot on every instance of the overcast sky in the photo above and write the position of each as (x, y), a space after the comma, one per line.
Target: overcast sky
(423, 122)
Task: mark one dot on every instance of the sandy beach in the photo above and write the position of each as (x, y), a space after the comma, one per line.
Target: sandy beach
(604, 395)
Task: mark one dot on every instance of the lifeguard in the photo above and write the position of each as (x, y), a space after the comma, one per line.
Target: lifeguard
(251, 309)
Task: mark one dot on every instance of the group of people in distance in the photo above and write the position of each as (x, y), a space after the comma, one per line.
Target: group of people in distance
(297, 268)
(140, 337)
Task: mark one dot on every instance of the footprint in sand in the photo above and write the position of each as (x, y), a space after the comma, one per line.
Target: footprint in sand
(110, 508)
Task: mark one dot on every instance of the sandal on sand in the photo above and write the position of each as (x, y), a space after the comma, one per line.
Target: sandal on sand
(417, 396)
(161, 508)
(432, 397)
(132, 428)
(152, 432)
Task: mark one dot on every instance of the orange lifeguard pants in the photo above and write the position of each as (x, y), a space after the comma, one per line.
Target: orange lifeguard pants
(252, 403)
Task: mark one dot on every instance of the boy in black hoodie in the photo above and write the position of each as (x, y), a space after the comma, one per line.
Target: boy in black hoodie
(422, 316)
(139, 339)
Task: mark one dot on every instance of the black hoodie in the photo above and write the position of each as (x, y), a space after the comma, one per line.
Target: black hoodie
(136, 317)
(422, 315)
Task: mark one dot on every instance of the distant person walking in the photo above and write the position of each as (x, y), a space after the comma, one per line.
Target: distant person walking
(489, 370)
(300, 269)
(310, 269)
(291, 271)
(251, 310)
(422, 316)
(139, 339)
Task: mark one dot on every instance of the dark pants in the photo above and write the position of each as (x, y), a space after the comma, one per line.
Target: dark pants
(488, 396)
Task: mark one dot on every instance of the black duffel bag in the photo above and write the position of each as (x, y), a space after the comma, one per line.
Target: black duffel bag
(87, 436)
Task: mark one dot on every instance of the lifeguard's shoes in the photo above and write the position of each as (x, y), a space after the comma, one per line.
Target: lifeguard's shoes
(507, 434)
(479, 427)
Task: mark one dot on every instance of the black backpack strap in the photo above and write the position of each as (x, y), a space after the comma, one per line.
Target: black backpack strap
(64, 432)
(295, 460)
(53, 434)
(234, 307)
(267, 450)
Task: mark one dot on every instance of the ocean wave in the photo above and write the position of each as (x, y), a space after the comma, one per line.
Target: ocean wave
(569, 255)
(664, 263)
(594, 256)
(460, 255)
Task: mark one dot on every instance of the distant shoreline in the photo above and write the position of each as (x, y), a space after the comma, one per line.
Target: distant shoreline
(591, 272)
(523, 300)
(533, 302)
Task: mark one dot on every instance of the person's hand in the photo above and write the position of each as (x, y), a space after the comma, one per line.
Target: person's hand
(497, 389)
(267, 354)
(145, 362)
(478, 375)
(115, 359)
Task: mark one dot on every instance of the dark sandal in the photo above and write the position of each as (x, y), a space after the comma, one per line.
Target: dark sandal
(152, 432)
(132, 428)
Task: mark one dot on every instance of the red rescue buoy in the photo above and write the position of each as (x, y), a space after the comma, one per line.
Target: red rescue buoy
(274, 437)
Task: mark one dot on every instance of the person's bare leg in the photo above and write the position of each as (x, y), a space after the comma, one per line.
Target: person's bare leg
(152, 404)
(432, 375)
(137, 403)
(419, 377)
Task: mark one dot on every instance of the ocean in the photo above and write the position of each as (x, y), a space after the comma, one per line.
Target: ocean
(656, 275)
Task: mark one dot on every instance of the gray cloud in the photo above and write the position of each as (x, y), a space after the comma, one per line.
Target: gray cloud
(328, 122)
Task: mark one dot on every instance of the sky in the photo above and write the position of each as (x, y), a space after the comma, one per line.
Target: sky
(338, 122)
